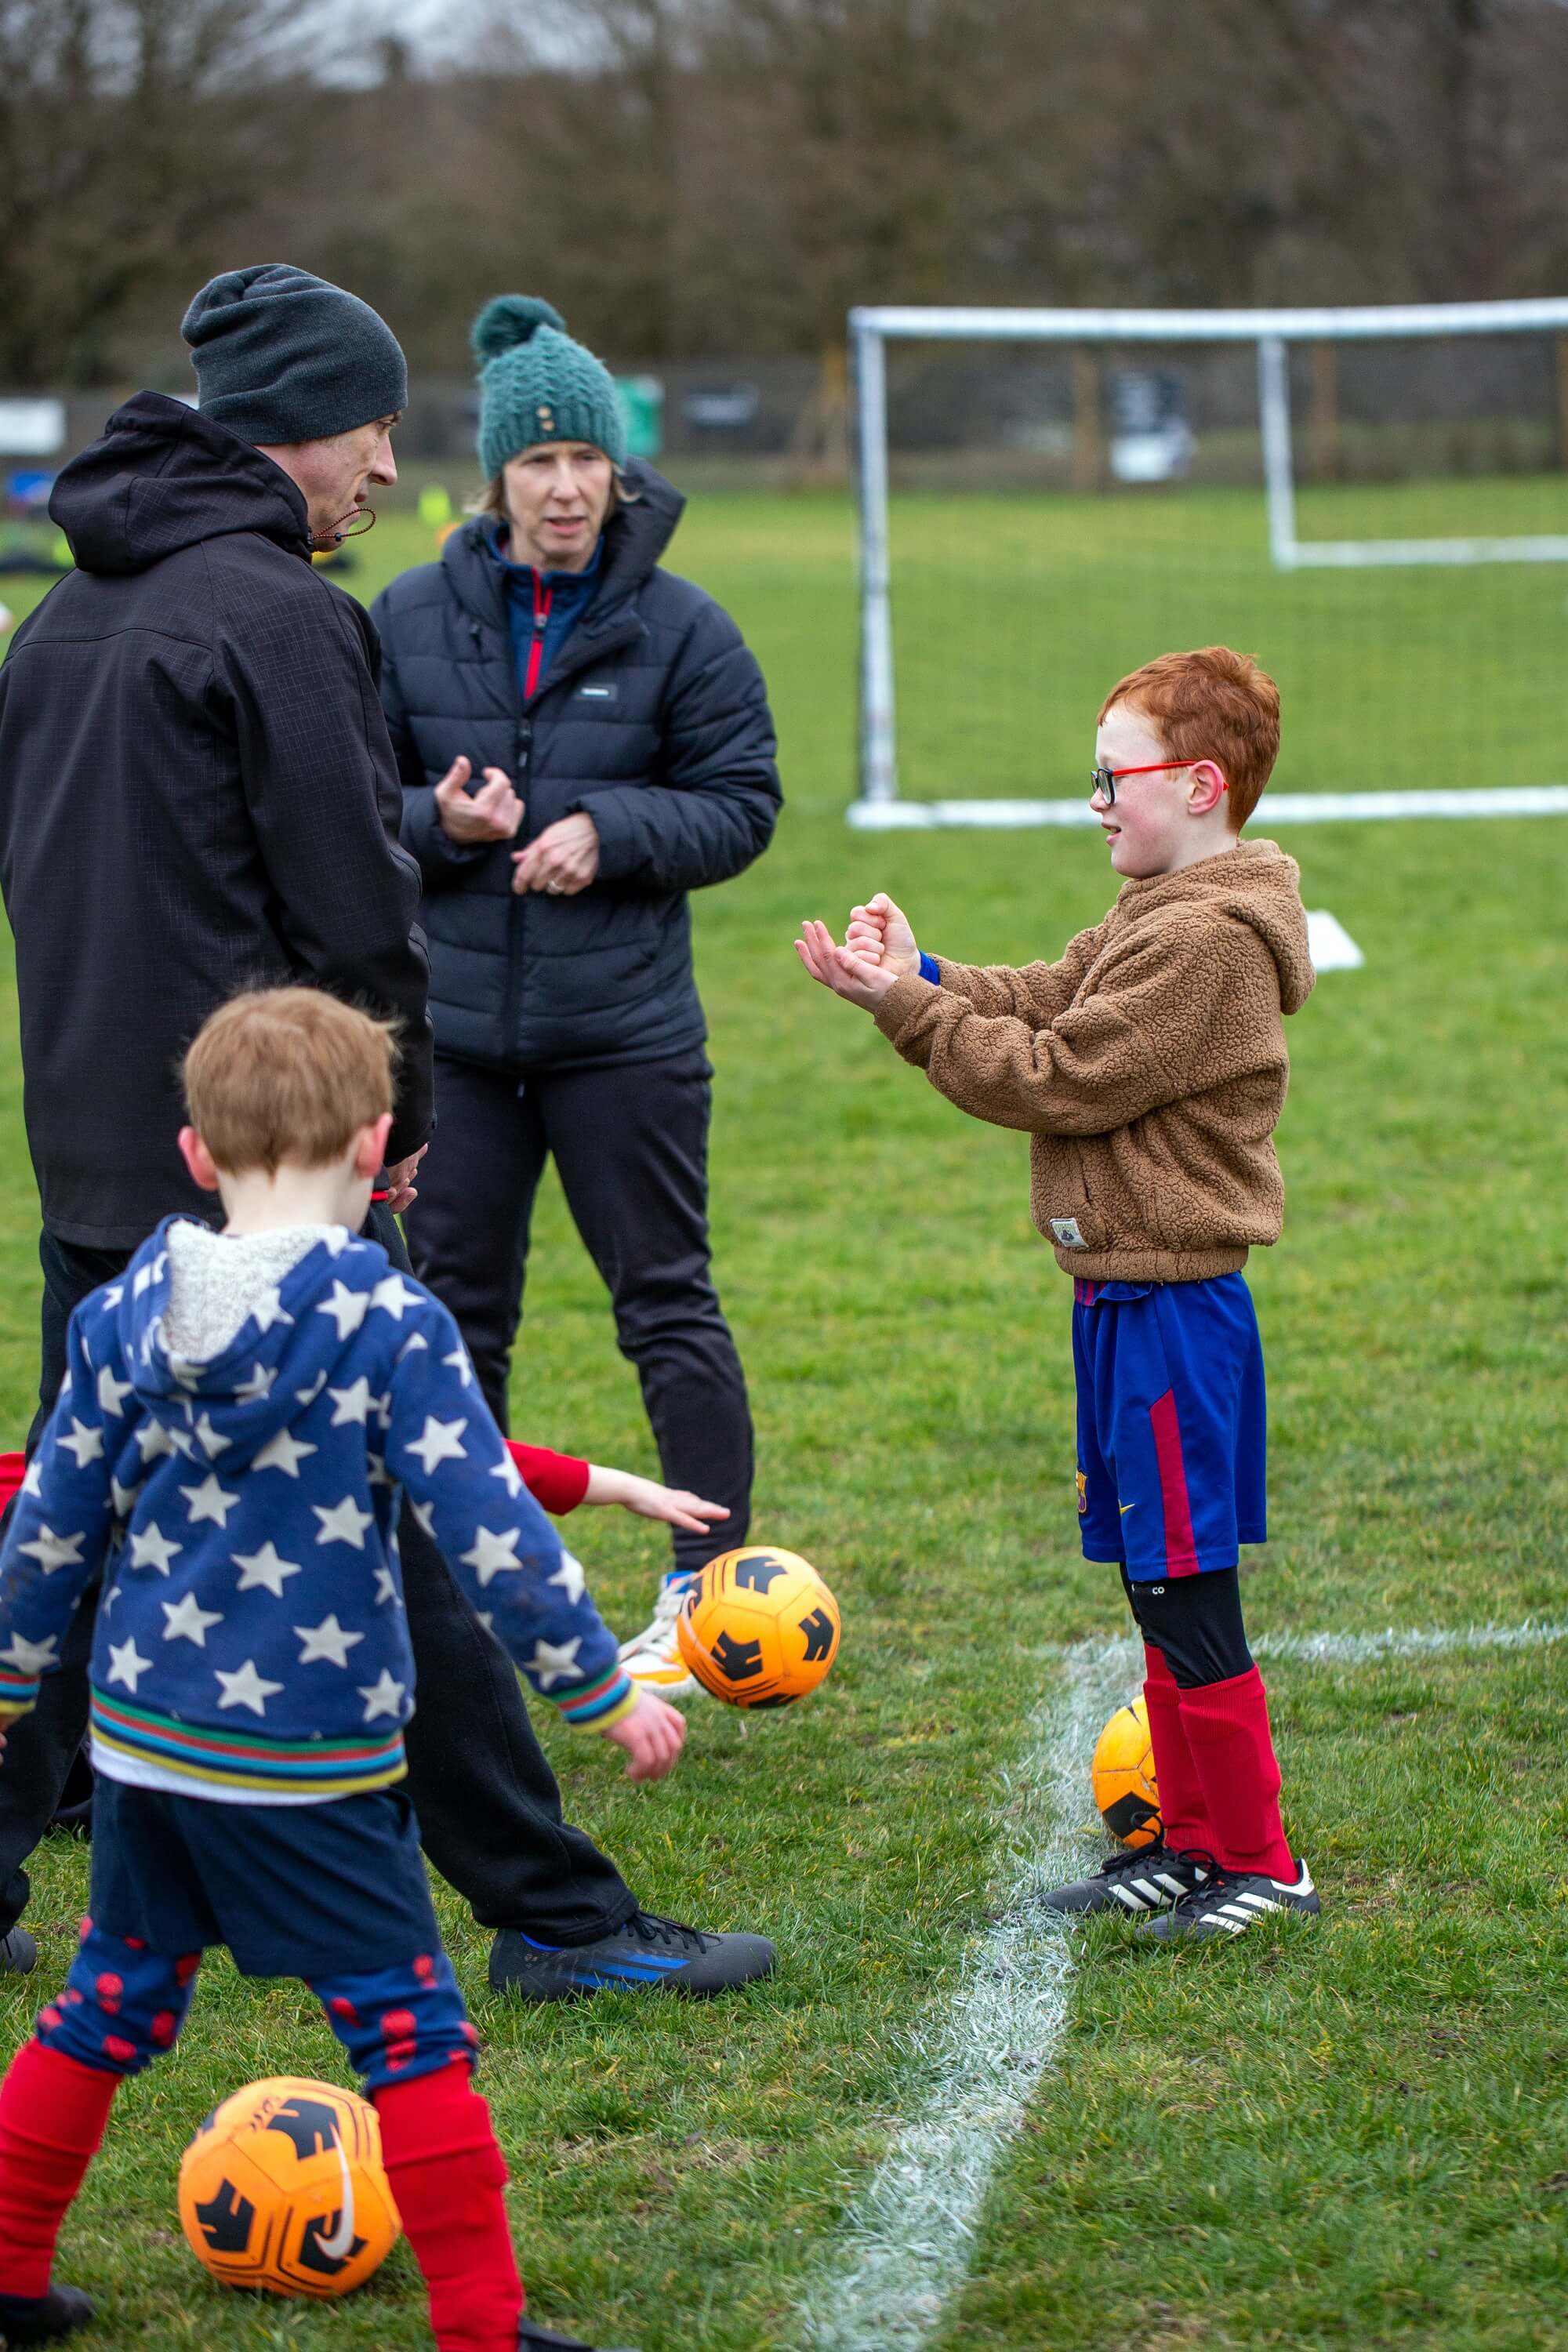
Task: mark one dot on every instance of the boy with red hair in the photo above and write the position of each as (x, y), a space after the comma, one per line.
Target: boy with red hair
(1148, 1067)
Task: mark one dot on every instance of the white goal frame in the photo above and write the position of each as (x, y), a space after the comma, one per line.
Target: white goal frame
(1272, 332)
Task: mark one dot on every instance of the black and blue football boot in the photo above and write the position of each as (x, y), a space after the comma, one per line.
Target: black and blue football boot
(648, 1954)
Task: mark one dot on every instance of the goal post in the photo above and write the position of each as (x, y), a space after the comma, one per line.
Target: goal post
(1145, 335)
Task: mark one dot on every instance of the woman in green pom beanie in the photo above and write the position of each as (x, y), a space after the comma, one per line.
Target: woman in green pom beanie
(584, 738)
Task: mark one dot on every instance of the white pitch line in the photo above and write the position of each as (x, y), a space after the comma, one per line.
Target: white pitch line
(909, 2241)
(906, 2247)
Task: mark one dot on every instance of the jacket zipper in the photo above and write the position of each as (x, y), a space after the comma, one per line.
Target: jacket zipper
(542, 599)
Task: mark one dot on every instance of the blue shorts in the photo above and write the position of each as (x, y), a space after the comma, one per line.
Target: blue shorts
(1171, 1424)
(292, 1890)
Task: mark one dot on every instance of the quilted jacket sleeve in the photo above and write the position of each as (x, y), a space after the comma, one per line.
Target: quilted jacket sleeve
(716, 800)
(440, 859)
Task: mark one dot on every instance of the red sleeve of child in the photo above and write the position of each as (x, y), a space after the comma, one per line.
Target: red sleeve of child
(557, 1481)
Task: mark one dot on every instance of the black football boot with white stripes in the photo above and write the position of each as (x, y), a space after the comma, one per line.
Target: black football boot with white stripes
(1235, 1900)
(1151, 1878)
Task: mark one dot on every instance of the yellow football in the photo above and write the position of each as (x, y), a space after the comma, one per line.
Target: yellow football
(1123, 1777)
(759, 1627)
(282, 2187)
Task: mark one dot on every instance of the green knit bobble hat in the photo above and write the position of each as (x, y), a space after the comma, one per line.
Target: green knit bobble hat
(537, 385)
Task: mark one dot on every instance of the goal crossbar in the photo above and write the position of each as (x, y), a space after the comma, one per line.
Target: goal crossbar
(871, 328)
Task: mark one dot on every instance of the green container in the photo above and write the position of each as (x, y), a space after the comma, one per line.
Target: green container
(642, 406)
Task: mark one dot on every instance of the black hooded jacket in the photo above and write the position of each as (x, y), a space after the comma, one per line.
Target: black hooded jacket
(653, 717)
(196, 795)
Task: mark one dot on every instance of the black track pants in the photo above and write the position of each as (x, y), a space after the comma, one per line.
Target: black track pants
(631, 1148)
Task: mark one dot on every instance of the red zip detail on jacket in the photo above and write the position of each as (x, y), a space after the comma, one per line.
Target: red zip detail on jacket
(543, 598)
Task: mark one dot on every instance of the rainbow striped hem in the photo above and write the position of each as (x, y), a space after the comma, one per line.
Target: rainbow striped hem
(245, 1761)
(594, 1706)
(18, 1694)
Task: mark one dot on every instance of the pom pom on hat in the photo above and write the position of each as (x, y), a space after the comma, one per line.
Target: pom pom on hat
(539, 384)
(509, 320)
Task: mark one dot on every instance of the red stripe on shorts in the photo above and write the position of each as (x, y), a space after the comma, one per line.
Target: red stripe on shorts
(1181, 1552)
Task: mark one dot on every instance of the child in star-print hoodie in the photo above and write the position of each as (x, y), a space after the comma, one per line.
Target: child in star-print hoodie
(241, 1416)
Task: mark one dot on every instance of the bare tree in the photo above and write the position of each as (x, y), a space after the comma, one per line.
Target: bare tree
(132, 132)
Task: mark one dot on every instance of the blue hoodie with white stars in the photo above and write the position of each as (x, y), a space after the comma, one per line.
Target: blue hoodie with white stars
(251, 1643)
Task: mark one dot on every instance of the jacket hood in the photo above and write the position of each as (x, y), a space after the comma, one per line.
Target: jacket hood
(1255, 884)
(162, 477)
(285, 1352)
(633, 541)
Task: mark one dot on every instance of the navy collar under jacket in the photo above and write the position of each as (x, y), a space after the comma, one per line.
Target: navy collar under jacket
(568, 595)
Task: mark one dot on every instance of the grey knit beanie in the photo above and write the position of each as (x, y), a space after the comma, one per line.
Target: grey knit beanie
(282, 356)
(537, 385)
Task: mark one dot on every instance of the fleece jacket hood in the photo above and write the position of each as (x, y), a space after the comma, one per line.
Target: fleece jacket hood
(162, 477)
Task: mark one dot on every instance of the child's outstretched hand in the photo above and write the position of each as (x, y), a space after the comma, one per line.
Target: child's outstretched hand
(651, 1501)
(846, 973)
(880, 932)
(653, 1736)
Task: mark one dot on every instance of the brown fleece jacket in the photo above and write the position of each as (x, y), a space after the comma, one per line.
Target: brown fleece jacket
(1149, 1066)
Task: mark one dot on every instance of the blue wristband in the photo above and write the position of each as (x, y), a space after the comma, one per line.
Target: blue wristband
(930, 969)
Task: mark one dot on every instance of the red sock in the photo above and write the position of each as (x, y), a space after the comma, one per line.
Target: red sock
(1183, 1813)
(1226, 1728)
(52, 2114)
(446, 2174)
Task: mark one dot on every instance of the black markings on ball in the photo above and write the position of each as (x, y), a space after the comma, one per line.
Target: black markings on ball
(818, 1631)
(757, 1571)
(738, 1662)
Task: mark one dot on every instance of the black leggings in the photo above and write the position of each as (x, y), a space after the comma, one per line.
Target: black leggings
(1195, 1622)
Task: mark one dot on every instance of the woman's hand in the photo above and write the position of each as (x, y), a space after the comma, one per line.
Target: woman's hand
(562, 861)
(493, 814)
(841, 970)
(649, 1500)
(399, 1182)
(653, 1736)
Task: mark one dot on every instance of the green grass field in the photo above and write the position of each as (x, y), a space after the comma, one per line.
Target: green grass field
(1348, 2136)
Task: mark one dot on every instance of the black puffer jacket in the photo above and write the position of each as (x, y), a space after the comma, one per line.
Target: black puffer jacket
(196, 795)
(653, 717)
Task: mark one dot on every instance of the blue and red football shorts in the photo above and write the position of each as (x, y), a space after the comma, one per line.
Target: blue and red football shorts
(1171, 1424)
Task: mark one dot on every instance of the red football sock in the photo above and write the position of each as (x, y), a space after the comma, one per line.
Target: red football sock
(52, 2114)
(446, 2174)
(1226, 1728)
(1183, 1813)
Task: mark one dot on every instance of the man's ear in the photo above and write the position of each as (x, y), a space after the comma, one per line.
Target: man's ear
(1207, 785)
(198, 1159)
(370, 1150)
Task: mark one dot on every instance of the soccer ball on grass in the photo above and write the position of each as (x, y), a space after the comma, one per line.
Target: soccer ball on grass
(1123, 1777)
(282, 2187)
(759, 1628)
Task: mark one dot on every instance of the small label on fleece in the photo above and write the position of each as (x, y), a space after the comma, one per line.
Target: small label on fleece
(1067, 1233)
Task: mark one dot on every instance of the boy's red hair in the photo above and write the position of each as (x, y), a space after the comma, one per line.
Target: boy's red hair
(1211, 705)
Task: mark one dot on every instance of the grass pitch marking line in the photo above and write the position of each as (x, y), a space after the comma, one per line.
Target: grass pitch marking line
(1279, 808)
(906, 2246)
(1361, 1649)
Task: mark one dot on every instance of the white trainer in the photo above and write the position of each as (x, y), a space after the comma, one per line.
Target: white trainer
(652, 1658)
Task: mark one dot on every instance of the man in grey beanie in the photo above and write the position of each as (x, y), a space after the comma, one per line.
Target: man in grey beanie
(198, 794)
